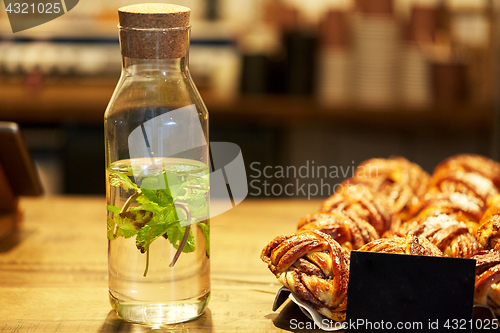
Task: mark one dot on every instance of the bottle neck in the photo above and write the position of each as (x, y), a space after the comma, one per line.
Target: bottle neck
(147, 67)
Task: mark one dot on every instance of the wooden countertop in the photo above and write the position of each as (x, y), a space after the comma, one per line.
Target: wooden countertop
(53, 273)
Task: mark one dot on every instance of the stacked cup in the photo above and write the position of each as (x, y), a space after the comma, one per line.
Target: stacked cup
(376, 53)
(334, 59)
(376, 56)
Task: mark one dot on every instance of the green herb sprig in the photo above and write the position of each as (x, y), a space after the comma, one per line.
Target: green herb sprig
(150, 211)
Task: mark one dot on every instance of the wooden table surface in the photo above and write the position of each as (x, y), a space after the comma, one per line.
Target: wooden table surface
(53, 272)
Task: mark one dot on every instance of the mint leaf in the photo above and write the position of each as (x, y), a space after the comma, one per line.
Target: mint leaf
(150, 206)
(176, 233)
(128, 223)
(113, 209)
(206, 232)
(119, 180)
(155, 228)
(160, 197)
(139, 217)
(200, 179)
(157, 188)
(126, 227)
(154, 182)
(111, 228)
(178, 190)
(176, 184)
(198, 207)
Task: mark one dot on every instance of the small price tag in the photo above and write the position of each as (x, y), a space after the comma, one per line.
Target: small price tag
(392, 292)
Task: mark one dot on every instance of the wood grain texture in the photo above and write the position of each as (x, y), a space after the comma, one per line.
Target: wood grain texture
(53, 272)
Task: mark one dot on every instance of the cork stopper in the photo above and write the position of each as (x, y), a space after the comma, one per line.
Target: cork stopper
(154, 30)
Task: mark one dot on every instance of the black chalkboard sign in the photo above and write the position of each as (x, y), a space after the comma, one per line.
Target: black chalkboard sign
(404, 293)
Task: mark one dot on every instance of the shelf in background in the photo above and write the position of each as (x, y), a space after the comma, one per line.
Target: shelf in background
(289, 110)
(83, 100)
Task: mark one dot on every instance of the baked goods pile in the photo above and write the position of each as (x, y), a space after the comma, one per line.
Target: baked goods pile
(314, 267)
(394, 206)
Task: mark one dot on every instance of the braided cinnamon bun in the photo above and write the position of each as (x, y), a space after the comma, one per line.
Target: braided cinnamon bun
(348, 230)
(459, 206)
(449, 235)
(314, 267)
(471, 163)
(488, 233)
(487, 287)
(402, 182)
(469, 183)
(364, 205)
(409, 244)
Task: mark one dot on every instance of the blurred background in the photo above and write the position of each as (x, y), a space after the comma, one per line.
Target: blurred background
(293, 83)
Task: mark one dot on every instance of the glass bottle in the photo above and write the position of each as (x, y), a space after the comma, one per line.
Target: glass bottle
(157, 173)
